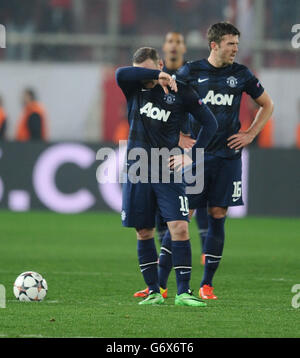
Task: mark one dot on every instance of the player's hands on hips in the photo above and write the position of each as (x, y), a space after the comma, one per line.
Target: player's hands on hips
(185, 141)
(165, 80)
(177, 162)
(240, 140)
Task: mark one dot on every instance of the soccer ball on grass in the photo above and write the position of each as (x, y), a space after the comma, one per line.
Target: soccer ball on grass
(30, 286)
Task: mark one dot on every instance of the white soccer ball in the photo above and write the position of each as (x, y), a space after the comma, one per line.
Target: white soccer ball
(30, 286)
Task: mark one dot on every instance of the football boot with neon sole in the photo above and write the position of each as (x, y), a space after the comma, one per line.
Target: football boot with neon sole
(145, 293)
(187, 299)
(206, 293)
(153, 298)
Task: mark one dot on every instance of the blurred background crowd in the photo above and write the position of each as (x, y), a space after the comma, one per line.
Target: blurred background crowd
(117, 19)
(52, 45)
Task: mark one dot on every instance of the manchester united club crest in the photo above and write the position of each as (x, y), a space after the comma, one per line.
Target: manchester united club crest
(231, 81)
(169, 98)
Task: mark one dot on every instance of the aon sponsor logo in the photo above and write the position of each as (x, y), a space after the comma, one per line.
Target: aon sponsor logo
(218, 98)
(155, 112)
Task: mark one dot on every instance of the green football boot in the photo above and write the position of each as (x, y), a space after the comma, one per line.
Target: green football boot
(153, 298)
(187, 299)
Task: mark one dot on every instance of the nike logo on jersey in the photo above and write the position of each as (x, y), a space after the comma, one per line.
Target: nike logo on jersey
(203, 80)
(155, 112)
(218, 99)
(235, 199)
(185, 214)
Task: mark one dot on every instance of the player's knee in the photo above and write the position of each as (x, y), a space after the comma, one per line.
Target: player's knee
(217, 212)
(179, 230)
(144, 234)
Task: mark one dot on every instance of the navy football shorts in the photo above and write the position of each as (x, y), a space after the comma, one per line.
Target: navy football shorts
(222, 183)
(142, 201)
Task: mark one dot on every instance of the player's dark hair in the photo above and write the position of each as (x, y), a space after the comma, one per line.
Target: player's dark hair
(216, 32)
(175, 33)
(145, 53)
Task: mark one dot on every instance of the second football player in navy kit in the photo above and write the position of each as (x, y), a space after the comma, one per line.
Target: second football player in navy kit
(220, 82)
(155, 117)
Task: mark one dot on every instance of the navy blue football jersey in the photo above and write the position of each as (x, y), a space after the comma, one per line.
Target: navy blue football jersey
(154, 117)
(221, 90)
(184, 124)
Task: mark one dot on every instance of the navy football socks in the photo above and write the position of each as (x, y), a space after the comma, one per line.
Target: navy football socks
(165, 260)
(182, 262)
(213, 248)
(147, 257)
(202, 223)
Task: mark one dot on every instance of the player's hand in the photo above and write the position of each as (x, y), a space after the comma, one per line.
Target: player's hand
(165, 80)
(185, 141)
(240, 140)
(177, 162)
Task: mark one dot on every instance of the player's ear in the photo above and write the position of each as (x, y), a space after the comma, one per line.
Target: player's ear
(213, 45)
(160, 64)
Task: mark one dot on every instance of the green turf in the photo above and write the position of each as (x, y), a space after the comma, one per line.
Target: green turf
(90, 264)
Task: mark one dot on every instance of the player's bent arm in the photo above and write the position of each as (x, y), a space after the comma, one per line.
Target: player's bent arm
(130, 78)
(209, 124)
(241, 139)
(263, 115)
(135, 74)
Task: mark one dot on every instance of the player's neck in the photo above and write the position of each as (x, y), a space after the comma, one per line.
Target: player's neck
(214, 61)
(173, 65)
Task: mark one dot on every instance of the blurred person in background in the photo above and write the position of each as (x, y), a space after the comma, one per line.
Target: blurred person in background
(122, 129)
(174, 49)
(21, 17)
(3, 120)
(128, 17)
(58, 16)
(32, 123)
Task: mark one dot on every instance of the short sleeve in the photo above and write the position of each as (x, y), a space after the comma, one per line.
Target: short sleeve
(253, 87)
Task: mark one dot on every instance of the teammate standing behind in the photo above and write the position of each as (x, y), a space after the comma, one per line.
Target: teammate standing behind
(174, 50)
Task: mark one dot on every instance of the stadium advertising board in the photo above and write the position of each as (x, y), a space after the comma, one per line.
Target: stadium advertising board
(64, 177)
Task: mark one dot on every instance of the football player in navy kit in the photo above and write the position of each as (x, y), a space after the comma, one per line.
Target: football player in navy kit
(155, 117)
(174, 49)
(220, 82)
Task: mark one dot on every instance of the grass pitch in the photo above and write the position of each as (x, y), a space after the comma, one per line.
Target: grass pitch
(90, 264)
